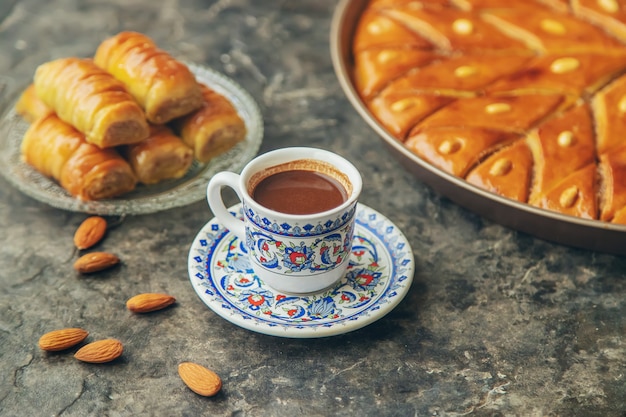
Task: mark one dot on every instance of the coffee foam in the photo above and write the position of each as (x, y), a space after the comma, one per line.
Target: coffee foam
(305, 165)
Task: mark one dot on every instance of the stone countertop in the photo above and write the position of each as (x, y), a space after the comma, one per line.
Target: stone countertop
(496, 323)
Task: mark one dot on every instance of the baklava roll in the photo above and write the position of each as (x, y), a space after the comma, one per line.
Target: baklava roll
(214, 129)
(163, 86)
(161, 156)
(92, 101)
(57, 150)
(30, 106)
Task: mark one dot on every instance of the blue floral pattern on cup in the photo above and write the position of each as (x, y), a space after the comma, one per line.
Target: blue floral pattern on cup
(291, 255)
(299, 230)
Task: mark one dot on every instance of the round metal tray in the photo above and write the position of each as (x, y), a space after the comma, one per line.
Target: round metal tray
(552, 226)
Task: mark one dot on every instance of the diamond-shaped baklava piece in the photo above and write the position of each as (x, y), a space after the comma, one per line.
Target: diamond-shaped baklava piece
(454, 149)
(507, 172)
(574, 195)
(454, 30)
(515, 114)
(378, 31)
(607, 14)
(561, 146)
(543, 30)
(609, 112)
(375, 67)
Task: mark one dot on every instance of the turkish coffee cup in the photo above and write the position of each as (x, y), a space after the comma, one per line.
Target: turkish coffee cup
(299, 207)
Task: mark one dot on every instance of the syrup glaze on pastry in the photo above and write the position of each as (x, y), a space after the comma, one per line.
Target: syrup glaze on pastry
(524, 99)
(59, 151)
(161, 156)
(92, 101)
(162, 85)
(30, 106)
(214, 128)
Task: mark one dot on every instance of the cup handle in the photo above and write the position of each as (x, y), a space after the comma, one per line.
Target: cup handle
(214, 198)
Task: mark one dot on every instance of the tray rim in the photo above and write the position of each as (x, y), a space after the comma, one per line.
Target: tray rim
(594, 235)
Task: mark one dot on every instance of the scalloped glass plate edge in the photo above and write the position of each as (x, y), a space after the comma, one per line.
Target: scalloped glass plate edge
(145, 199)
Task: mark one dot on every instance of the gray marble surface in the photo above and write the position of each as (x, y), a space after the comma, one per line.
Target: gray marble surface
(496, 323)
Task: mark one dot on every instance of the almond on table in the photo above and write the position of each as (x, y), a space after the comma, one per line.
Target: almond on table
(148, 302)
(95, 262)
(100, 351)
(62, 339)
(199, 379)
(90, 232)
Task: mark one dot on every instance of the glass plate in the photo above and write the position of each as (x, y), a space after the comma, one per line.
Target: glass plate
(144, 199)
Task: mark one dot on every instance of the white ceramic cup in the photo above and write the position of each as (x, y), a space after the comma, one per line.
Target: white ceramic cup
(292, 253)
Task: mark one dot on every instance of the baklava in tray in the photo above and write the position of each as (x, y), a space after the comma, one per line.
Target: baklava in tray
(524, 99)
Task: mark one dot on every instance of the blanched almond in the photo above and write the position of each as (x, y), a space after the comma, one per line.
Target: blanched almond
(465, 71)
(621, 105)
(611, 6)
(569, 196)
(501, 167)
(462, 26)
(564, 65)
(90, 232)
(495, 108)
(95, 261)
(100, 351)
(147, 302)
(62, 339)
(553, 26)
(199, 379)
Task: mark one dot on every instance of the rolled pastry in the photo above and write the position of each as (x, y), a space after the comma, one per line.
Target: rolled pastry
(30, 107)
(57, 150)
(92, 101)
(162, 85)
(214, 129)
(161, 156)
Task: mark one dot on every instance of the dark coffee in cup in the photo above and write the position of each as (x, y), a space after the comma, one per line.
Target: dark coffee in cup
(300, 187)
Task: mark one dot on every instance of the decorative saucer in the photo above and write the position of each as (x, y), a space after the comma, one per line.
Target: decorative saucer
(378, 277)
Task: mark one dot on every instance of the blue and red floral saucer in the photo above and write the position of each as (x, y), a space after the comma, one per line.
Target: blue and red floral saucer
(379, 276)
